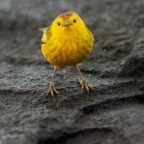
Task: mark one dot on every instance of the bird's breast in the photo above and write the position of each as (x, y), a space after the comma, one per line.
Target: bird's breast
(67, 50)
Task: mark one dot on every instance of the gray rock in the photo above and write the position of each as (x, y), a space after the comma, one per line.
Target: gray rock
(134, 65)
(111, 113)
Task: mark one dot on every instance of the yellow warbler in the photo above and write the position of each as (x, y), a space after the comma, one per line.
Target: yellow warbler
(67, 42)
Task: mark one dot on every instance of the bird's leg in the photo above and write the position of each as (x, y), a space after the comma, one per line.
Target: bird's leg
(83, 82)
(51, 89)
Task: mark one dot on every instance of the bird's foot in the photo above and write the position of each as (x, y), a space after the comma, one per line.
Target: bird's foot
(51, 90)
(84, 85)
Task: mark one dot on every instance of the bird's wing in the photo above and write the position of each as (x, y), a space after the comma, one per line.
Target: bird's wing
(46, 34)
(90, 33)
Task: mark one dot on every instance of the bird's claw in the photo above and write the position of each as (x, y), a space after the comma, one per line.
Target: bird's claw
(51, 90)
(84, 85)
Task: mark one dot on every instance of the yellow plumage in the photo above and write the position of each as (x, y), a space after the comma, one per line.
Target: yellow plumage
(66, 45)
(67, 41)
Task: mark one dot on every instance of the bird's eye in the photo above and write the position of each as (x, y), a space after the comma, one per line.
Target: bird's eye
(74, 20)
(58, 24)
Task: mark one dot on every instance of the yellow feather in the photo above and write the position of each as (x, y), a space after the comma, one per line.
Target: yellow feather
(66, 45)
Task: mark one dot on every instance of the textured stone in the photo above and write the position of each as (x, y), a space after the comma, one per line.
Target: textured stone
(111, 113)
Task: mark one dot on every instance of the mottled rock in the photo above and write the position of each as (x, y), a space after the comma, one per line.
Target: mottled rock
(111, 113)
(134, 65)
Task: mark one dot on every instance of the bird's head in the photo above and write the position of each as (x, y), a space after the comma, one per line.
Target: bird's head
(67, 21)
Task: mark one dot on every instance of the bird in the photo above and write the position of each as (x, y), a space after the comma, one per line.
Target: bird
(67, 42)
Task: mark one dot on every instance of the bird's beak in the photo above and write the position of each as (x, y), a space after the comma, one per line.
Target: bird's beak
(67, 23)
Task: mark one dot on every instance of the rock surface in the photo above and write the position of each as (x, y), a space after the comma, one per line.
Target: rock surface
(111, 114)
